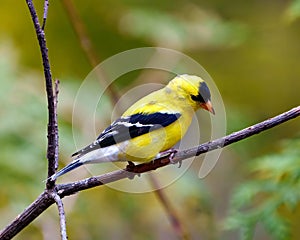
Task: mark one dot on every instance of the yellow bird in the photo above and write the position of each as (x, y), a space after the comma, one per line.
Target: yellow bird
(149, 127)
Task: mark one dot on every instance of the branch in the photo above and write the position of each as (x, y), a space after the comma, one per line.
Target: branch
(44, 200)
(27, 216)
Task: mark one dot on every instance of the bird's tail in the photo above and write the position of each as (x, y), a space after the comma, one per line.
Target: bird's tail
(75, 164)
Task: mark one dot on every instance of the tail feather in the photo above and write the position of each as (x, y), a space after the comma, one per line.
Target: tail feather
(75, 164)
(90, 155)
(95, 145)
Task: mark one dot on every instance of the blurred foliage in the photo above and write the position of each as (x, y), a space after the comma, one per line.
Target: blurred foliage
(20, 134)
(270, 197)
(250, 48)
(293, 11)
(190, 28)
(23, 133)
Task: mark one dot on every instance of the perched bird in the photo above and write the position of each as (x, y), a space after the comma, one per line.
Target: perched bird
(149, 127)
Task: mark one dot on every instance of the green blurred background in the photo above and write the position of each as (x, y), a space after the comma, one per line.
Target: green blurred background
(250, 48)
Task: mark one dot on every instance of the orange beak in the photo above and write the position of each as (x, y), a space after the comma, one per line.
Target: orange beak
(208, 106)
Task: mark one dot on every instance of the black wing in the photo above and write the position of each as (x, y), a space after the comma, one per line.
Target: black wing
(126, 128)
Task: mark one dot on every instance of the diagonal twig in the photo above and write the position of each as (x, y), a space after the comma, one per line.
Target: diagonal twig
(88, 47)
(71, 188)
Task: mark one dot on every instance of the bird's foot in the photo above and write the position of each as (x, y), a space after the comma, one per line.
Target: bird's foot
(171, 158)
(168, 152)
(130, 169)
(130, 166)
(171, 152)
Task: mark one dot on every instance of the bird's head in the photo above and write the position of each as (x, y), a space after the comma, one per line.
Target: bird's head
(194, 90)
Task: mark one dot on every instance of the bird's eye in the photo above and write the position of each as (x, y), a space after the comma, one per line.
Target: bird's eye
(197, 98)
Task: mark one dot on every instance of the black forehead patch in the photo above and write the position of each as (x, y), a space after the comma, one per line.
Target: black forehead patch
(203, 93)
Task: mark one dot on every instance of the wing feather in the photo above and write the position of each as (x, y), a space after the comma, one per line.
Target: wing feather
(129, 127)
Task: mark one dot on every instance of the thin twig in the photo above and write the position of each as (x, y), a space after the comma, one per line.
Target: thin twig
(44, 200)
(52, 121)
(62, 216)
(52, 146)
(56, 152)
(45, 15)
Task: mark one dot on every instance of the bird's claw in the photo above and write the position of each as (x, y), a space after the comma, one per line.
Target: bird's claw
(171, 152)
(171, 158)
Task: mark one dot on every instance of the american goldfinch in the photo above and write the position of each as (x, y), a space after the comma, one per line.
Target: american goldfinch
(149, 127)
